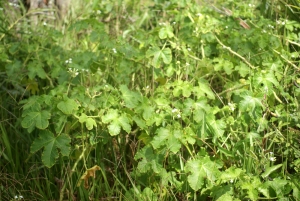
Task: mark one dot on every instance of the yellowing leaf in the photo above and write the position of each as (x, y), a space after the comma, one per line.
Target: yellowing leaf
(91, 172)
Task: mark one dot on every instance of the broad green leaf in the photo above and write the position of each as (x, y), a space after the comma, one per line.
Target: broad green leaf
(296, 186)
(265, 80)
(35, 117)
(167, 137)
(124, 122)
(35, 68)
(114, 128)
(201, 170)
(231, 173)
(130, 98)
(252, 187)
(203, 90)
(249, 103)
(165, 55)
(89, 122)
(271, 169)
(160, 138)
(68, 106)
(225, 197)
(51, 145)
(223, 64)
(280, 186)
(111, 115)
(150, 160)
(217, 127)
(140, 122)
(166, 32)
(242, 69)
(148, 112)
(149, 194)
(116, 121)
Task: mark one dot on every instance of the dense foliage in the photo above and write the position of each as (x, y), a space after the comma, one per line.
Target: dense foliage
(152, 100)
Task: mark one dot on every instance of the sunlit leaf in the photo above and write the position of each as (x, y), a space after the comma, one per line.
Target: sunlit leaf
(68, 106)
(201, 170)
(166, 32)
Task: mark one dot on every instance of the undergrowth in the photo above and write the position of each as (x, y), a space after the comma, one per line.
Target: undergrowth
(152, 100)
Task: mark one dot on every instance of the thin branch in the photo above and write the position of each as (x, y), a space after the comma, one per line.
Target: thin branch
(288, 61)
(235, 53)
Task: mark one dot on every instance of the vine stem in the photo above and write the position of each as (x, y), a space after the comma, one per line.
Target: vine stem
(61, 194)
(235, 53)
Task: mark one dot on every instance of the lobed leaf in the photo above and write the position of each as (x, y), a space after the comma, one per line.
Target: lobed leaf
(51, 144)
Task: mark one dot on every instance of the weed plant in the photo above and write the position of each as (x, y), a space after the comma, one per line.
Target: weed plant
(152, 100)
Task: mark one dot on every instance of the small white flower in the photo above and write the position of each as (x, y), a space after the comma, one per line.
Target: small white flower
(74, 72)
(44, 23)
(174, 110)
(231, 180)
(174, 22)
(114, 50)
(14, 5)
(68, 61)
(178, 116)
(226, 27)
(272, 158)
(231, 106)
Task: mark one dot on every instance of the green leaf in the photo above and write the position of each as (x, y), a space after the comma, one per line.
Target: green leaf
(150, 160)
(225, 197)
(111, 115)
(201, 170)
(203, 90)
(124, 122)
(271, 169)
(243, 69)
(220, 63)
(165, 55)
(160, 138)
(252, 187)
(166, 32)
(51, 144)
(166, 137)
(35, 68)
(216, 127)
(130, 98)
(89, 122)
(116, 121)
(68, 106)
(114, 128)
(280, 186)
(249, 103)
(231, 173)
(35, 117)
